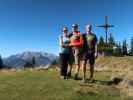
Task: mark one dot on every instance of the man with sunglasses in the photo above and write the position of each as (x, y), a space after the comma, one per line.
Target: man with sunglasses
(90, 51)
(76, 41)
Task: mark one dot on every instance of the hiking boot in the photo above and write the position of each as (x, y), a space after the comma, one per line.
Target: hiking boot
(61, 77)
(84, 80)
(91, 80)
(65, 77)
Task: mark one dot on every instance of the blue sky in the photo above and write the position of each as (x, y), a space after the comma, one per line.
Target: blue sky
(34, 25)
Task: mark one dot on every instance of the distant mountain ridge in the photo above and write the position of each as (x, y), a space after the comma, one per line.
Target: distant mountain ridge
(18, 60)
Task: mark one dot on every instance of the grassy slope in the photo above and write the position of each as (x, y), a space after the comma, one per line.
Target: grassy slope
(46, 85)
(115, 64)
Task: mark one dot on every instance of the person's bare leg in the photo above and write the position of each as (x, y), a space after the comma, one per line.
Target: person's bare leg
(84, 70)
(77, 68)
(77, 71)
(77, 63)
(91, 71)
(70, 70)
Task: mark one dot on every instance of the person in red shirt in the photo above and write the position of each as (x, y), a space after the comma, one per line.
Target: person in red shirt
(76, 41)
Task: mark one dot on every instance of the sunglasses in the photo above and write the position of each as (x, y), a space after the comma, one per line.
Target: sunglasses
(74, 27)
(65, 30)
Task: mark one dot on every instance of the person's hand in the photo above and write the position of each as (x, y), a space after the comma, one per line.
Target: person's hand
(96, 54)
(70, 45)
(65, 46)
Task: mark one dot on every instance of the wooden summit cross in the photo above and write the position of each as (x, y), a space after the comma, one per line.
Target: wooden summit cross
(106, 26)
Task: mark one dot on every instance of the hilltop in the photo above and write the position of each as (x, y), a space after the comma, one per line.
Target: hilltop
(32, 84)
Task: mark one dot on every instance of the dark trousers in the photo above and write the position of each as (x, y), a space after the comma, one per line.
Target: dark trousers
(64, 59)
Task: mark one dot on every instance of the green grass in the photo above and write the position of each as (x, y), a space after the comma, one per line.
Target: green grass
(46, 85)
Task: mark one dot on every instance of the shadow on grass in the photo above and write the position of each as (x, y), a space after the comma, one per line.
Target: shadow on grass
(78, 78)
(99, 86)
(90, 93)
(99, 82)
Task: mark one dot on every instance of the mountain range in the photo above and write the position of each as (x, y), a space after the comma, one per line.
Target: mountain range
(19, 60)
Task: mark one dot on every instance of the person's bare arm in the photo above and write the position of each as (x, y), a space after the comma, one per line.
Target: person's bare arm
(96, 51)
(61, 43)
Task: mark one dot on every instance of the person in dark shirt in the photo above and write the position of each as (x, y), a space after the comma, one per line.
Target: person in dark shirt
(89, 51)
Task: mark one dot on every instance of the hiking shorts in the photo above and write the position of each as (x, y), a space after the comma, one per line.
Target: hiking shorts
(89, 56)
(76, 54)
